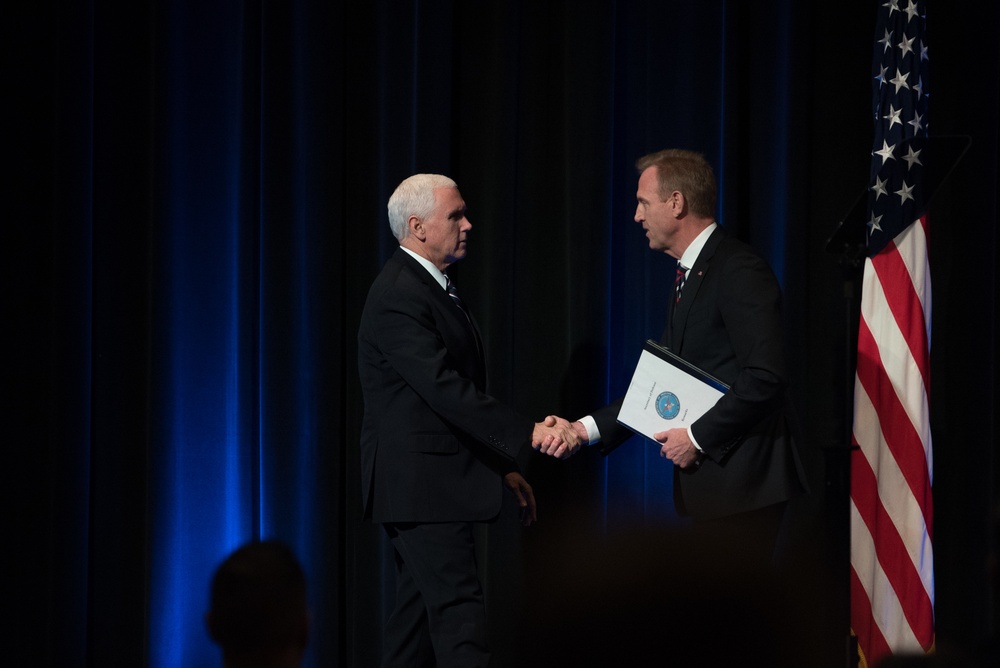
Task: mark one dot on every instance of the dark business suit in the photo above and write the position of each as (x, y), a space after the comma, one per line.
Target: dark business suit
(434, 447)
(728, 323)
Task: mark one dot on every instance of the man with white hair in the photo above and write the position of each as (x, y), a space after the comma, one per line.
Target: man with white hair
(436, 449)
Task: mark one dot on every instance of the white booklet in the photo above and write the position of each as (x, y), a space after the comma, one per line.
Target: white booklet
(667, 392)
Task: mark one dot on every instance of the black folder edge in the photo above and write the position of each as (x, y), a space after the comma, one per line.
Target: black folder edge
(656, 349)
(682, 364)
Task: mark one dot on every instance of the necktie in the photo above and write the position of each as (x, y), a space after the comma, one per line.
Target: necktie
(679, 281)
(453, 293)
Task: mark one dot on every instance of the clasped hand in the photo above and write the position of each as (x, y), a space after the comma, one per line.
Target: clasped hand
(558, 437)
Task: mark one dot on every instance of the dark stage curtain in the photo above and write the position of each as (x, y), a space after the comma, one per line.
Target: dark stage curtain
(195, 207)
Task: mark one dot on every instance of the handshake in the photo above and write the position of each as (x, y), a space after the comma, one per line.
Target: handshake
(558, 437)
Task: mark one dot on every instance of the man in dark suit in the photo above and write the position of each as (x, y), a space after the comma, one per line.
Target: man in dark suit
(436, 449)
(737, 466)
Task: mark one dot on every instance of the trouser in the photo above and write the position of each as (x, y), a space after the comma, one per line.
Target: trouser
(747, 538)
(440, 617)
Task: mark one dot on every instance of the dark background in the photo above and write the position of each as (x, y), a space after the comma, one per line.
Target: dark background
(194, 207)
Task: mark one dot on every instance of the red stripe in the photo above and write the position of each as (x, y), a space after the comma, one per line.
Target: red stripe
(870, 639)
(904, 304)
(901, 437)
(891, 551)
(905, 445)
(900, 601)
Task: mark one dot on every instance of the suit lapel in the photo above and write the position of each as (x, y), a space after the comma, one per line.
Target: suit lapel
(447, 306)
(472, 330)
(689, 294)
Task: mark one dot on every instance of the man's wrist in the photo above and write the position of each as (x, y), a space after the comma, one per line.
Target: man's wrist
(586, 428)
(693, 441)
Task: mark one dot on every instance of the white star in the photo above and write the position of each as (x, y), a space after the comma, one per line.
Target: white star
(886, 41)
(893, 116)
(911, 10)
(906, 46)
(919, 87)
(923, 51)
(873, 224)
(881, 76)
(886, 152)
(912, 157)
(917, 122)
(879, 188)
(900, 80)
(905, 193)
(893, 6)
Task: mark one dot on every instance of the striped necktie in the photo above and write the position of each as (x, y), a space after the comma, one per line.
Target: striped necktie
(679, 281)
(453, 293)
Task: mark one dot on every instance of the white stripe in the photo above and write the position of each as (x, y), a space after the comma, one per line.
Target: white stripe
(899, 365)
(912, 245)
(902, 508)
(900, 504)
(886, 609)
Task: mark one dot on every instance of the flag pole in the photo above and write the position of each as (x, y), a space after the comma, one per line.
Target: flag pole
(849, 242)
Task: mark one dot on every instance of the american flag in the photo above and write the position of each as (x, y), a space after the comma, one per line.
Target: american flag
(892, 566)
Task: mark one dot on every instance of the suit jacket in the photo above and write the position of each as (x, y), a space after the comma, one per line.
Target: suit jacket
(434, 444)
(728, 323)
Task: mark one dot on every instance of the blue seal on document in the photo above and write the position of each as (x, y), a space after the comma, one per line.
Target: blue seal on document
(668, 405)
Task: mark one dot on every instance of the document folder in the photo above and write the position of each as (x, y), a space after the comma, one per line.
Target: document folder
(667, 392)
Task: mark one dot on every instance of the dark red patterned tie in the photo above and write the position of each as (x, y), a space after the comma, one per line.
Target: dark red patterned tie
(679, 281)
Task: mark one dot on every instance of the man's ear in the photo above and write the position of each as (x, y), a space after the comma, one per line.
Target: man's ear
(416, 226)
(678, 203)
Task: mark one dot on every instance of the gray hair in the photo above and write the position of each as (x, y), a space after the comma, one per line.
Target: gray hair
(414, 197)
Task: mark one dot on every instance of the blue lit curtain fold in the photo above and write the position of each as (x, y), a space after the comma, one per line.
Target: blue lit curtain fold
(206, 486)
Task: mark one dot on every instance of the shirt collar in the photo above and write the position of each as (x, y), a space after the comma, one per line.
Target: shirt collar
(429, 266)
(692, 252)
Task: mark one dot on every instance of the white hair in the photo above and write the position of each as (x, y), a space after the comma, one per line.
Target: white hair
(414, 197)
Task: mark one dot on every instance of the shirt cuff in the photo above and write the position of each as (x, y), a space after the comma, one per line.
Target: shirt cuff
(693, 440)
(593, 433)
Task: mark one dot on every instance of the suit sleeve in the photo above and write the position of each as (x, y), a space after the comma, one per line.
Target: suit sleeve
(749, 306)
(411, 341)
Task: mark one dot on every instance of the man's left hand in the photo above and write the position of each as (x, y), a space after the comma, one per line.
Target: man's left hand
(516, 483)
(677, 447)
